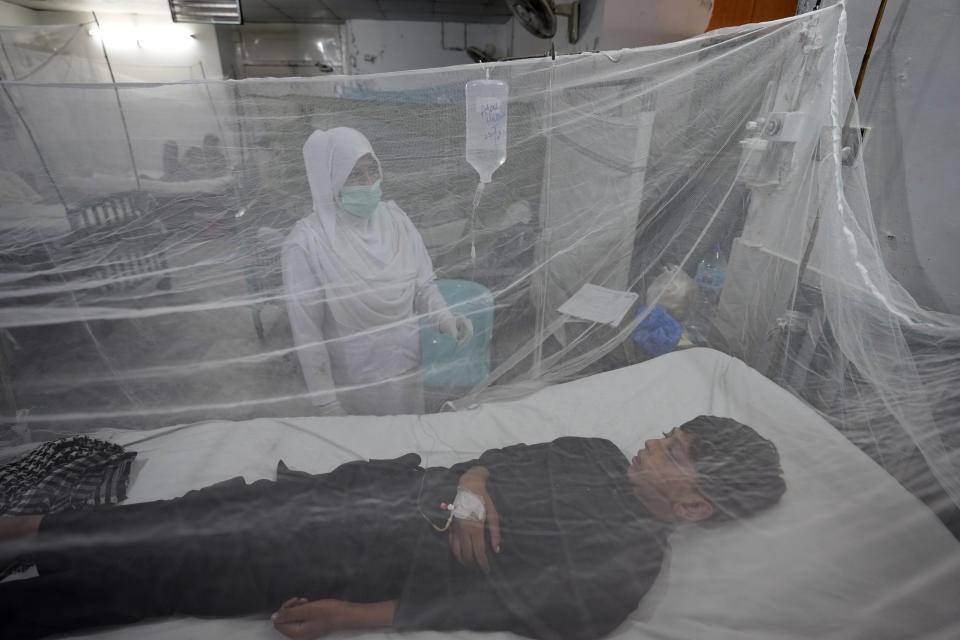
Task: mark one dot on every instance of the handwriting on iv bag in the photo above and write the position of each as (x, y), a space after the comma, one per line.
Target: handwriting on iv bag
(494, 135)
(494, 120)
(490, 111)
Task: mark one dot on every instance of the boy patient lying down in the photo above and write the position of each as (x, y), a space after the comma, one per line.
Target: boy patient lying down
(553, 540)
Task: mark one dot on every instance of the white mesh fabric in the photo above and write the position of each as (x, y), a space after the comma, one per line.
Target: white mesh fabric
(618, 164)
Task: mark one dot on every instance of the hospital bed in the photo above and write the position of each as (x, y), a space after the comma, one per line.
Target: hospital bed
(848, 553)
(100, 183)
(113, 243)
(26, 223)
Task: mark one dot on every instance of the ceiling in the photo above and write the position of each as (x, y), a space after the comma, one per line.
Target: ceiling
(308, 11)
(105, 6)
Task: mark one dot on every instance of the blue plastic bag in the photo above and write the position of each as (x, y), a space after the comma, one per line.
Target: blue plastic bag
(658, 333)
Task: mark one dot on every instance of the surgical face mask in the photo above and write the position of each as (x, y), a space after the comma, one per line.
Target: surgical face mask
(361, 200)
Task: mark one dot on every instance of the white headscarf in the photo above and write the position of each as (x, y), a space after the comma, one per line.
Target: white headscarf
(367, 265)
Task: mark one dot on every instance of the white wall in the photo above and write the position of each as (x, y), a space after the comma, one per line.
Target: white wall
(619, 24)
(12, 15)
(271, 50)
(912, 92)
(135, 63)
(628, 23)
(375, 46)
(200, 58)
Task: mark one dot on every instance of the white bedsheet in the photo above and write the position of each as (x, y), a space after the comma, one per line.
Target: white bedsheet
(33, 222)
(102, 183)
(848, 553)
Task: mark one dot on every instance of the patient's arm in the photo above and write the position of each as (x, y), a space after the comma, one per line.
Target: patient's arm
(19, 527)
(467, 536)
(302, 620)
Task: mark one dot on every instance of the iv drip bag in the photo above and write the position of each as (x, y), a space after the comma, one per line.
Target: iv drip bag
(486, 126)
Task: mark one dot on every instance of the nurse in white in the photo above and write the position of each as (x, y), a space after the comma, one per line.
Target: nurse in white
(357, 276)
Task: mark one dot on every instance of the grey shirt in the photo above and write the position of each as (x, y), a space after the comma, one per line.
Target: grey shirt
(579, 551)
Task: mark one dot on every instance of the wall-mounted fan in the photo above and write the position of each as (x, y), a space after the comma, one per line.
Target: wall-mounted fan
(483, 54)
(539, 17)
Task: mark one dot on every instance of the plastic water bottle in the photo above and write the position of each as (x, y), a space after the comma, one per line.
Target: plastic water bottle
(486, 126)
(711, 275)
(712, 271)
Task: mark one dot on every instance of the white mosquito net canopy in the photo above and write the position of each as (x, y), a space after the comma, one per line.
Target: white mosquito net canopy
(165, 261)
(217, 250)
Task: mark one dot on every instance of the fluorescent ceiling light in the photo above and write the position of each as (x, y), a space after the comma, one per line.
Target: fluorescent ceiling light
(206, 11)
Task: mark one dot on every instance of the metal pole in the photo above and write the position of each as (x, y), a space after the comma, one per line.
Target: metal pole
(116, 90)
(545, 234)
(36, 146)
(26, 127)
(866, 54)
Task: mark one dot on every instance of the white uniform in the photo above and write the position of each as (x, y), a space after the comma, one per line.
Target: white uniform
(355, 287)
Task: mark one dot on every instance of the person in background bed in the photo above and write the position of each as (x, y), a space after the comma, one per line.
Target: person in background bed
(555, 540)
(197, 162)
(171, 161)
(214, 161)
(192, 166)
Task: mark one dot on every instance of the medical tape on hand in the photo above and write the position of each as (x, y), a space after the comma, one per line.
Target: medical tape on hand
(468, 506)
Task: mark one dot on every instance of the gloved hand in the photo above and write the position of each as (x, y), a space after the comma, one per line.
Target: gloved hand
(331, 409)
(457, 327)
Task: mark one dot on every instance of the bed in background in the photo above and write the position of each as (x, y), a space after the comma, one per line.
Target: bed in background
(100, 183)
(25, 223)
(847, 554)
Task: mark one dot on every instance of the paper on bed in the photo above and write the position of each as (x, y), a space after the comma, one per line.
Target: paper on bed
(599, 304)
(832, 560)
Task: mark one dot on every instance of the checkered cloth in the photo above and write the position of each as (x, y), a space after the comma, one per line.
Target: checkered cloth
(71, 473)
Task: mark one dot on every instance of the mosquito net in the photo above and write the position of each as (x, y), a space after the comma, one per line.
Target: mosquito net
(226, 250)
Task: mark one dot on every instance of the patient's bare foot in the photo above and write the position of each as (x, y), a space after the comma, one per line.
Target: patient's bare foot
(19, 527)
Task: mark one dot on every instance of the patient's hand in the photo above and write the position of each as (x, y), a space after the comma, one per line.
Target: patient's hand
(300, 619)
(467, 536)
